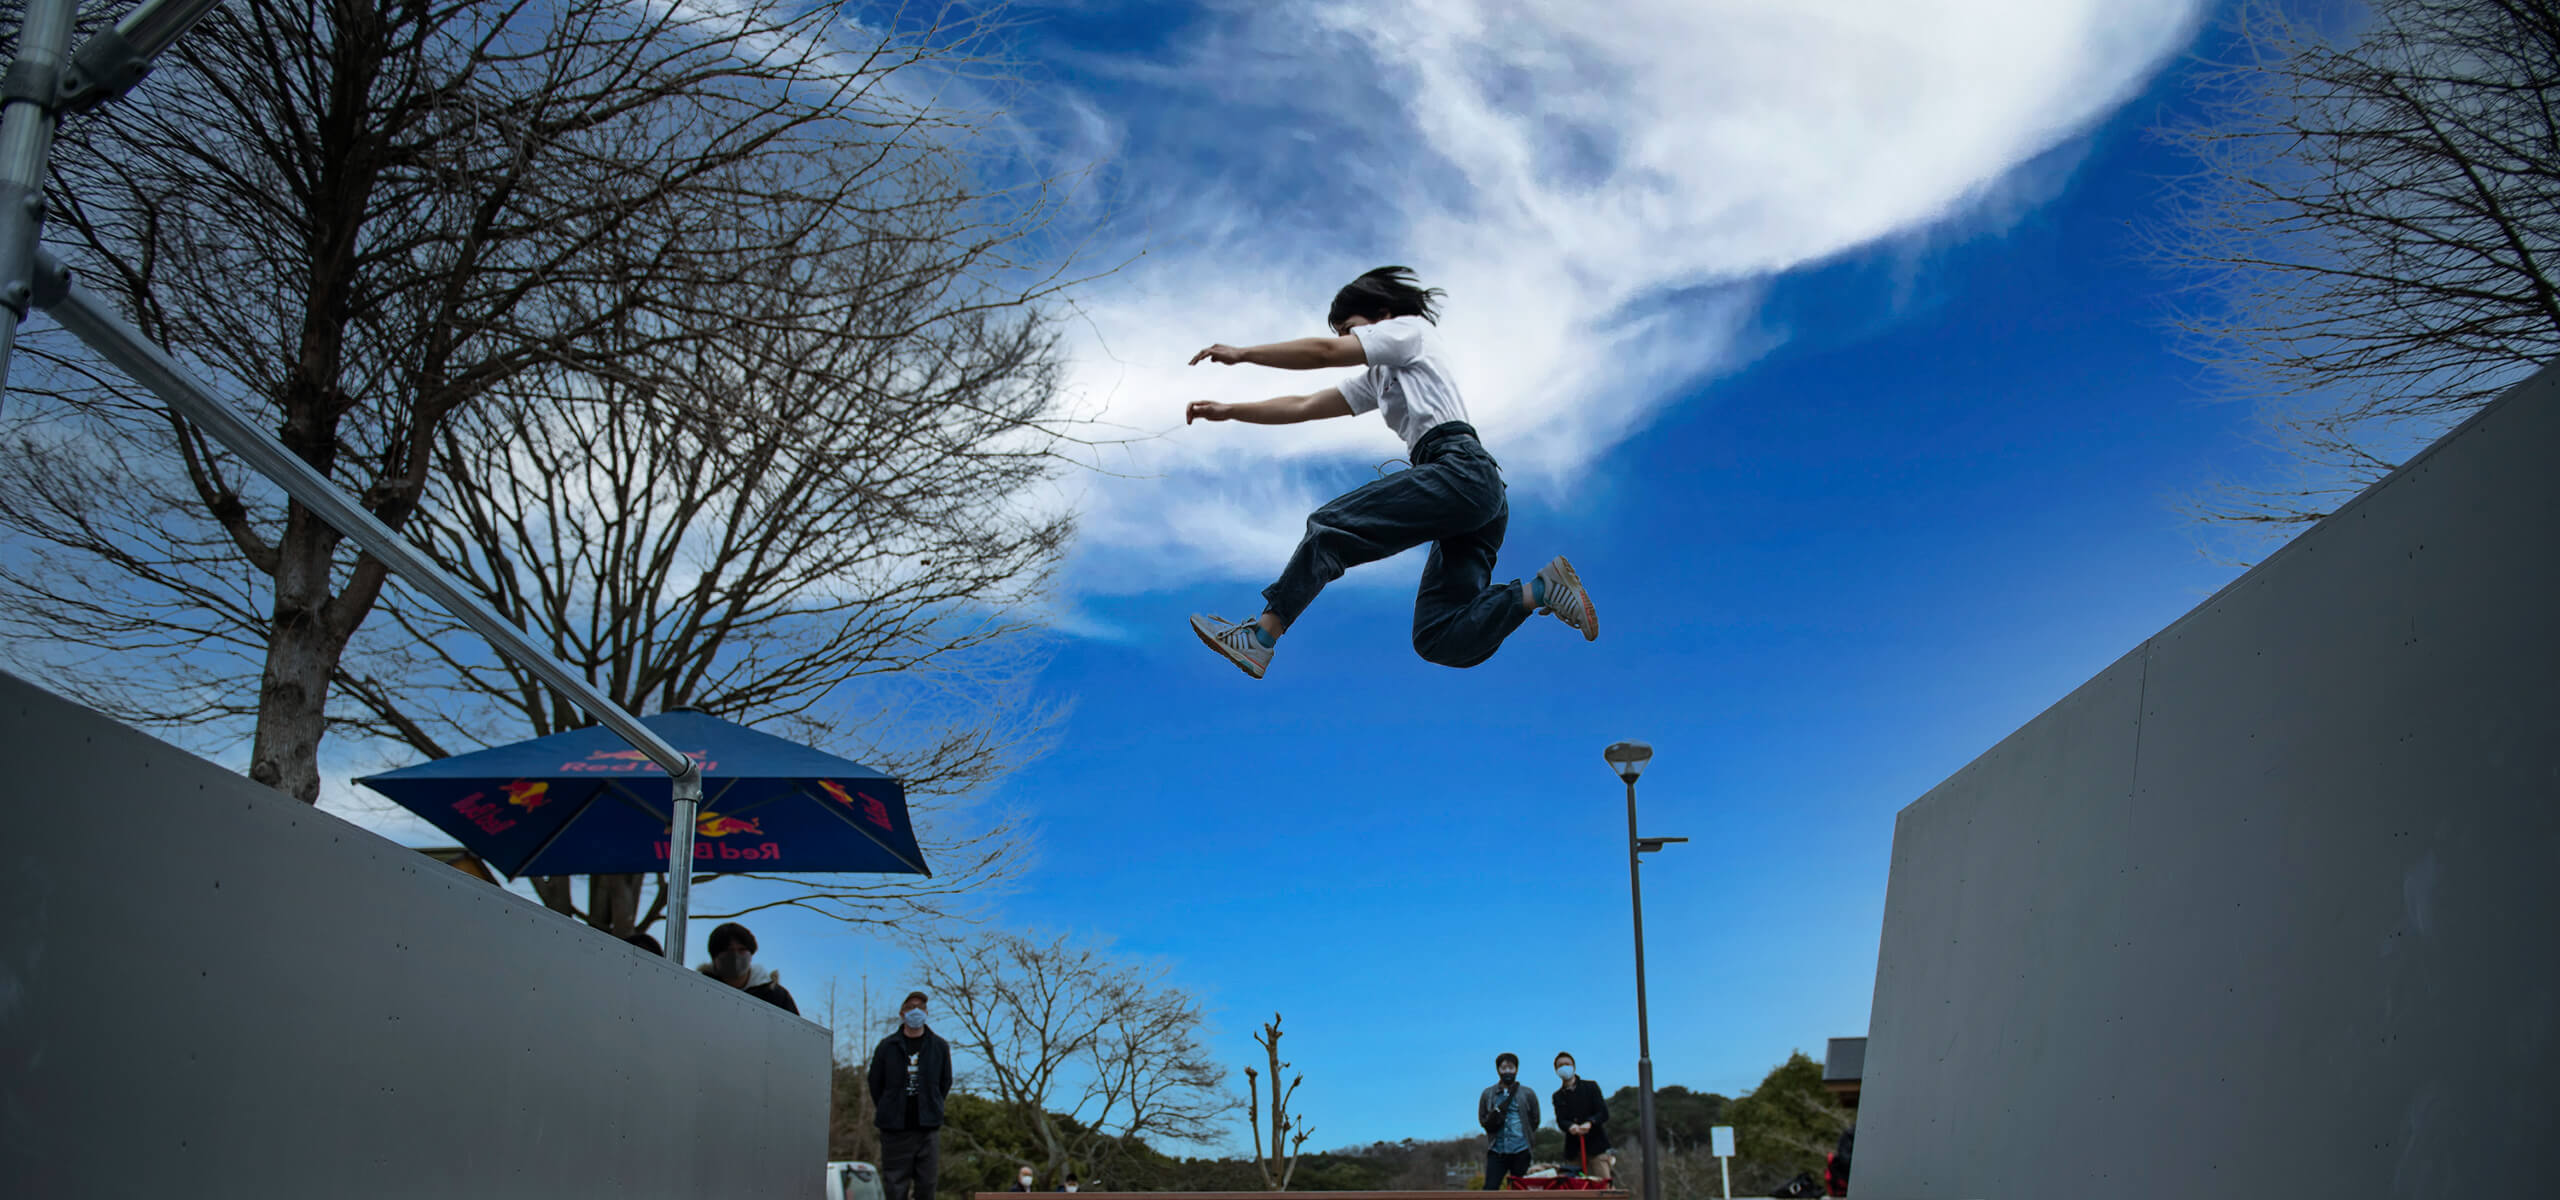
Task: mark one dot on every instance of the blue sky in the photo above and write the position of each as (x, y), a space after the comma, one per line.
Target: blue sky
(1814, 333)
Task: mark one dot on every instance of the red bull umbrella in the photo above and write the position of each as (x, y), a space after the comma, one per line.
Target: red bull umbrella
(586, 803)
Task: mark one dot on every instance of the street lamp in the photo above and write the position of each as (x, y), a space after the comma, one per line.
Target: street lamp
(1628, 759)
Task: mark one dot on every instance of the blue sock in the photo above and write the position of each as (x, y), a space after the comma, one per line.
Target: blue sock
(1265, 636)
(1538, 591)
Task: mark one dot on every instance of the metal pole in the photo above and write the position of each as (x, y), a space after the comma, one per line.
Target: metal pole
(114, 65)
(1644, 1037)
(103, 331)
(29, 99)
(679, 883)
(1724, 1167)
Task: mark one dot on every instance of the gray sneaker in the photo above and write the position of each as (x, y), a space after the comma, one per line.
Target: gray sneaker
(1237, 642)
(1565, 598)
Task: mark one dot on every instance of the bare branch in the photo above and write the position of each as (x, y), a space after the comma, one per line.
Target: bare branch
(2371, 239)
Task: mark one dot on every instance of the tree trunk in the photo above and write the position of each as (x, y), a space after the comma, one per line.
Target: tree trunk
(1048, 1130)
(554, 892)
(302, 650)
(311, 626)
(613, 904)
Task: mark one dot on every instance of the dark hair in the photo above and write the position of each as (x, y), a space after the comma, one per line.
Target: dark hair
(1506, 1057)
(731, 934)
(645, 942)
(1383, 293)
(913, 998)
(1567, 1054)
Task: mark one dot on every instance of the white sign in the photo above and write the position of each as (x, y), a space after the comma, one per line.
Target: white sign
(1722, 1137)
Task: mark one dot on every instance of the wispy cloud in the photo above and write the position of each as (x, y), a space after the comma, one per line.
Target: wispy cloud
(1604, 190)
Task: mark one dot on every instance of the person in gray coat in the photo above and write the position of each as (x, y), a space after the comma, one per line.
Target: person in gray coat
(1509, 1114)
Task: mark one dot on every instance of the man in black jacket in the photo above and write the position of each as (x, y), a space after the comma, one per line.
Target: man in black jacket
(1584, 1117)
(910, 1078)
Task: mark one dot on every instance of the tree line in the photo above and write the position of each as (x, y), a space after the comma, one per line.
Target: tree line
(1076, 1062)
(1784, 1127)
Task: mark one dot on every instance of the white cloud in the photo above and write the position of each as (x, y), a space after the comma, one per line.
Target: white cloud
(1603, 190)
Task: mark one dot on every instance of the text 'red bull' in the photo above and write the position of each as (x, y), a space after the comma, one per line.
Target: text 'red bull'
(712, 826)
(488, 817)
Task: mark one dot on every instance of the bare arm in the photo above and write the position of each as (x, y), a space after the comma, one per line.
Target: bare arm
(1303, 354)
(1283, 410)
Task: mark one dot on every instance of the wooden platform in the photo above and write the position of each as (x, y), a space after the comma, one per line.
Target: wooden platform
(1445, 1193)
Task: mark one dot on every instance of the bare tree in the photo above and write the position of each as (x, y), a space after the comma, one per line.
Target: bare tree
(374, 219)
(851, 1134)
(1089, 1054)
(824, 519)
(2373, 236)
(1275, 1169)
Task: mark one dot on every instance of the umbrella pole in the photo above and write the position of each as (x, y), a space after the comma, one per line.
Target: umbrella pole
(688, 793)
(30, 97)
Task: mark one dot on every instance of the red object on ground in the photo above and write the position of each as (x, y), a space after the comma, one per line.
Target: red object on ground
(1559, 1183)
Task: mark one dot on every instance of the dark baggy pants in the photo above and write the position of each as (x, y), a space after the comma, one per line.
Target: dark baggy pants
(1452, 497)
(1498, 1166)
(909, 1161)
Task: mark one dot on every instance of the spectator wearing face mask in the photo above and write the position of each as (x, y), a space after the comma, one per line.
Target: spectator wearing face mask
(733, 962)
(1584, 1117)
(910, 1078)
(1021, 1180)
(1509, 1114)
(1070, 1184)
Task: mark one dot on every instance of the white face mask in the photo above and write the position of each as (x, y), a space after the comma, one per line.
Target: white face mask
(1026, 1178)
(1565, 1072)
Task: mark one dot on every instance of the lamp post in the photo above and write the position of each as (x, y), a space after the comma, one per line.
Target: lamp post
(1628, 760)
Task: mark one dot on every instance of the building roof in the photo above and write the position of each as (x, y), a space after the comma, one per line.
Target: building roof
(1845, 1060)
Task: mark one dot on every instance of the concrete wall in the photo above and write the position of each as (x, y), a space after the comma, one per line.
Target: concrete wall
(2272, 905)
(207, 989)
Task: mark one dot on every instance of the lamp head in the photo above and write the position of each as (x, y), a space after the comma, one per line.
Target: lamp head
(1628, 758)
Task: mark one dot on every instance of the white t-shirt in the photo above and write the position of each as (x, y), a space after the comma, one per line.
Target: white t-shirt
(1408, 380)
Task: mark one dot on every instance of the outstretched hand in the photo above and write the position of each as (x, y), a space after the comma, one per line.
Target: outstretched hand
(1212, 410)
(1220, 353)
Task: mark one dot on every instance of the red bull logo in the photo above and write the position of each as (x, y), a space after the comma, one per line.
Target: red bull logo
(619, 761)
(528, 794)
(711, 826)
(869, 805)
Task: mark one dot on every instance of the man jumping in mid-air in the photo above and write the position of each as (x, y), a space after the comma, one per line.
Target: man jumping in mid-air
(1452, 497)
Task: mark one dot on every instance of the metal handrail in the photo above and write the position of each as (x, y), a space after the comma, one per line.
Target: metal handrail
(102, 330)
